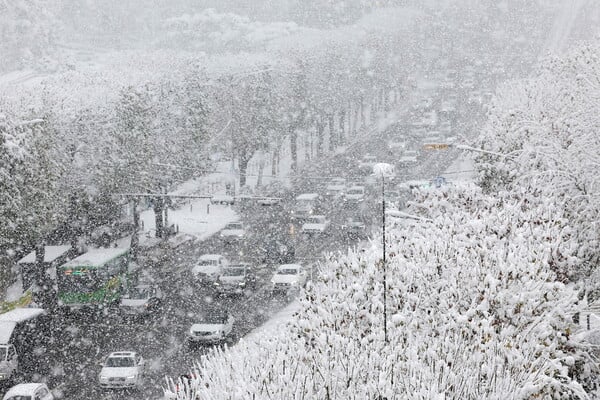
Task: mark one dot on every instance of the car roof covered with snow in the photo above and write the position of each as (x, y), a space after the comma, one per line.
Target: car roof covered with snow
(23, 389)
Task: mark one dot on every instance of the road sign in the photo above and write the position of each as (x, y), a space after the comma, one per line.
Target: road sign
(435, 146)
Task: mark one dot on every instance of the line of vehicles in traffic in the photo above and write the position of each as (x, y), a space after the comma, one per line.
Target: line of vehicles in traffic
(100, 278)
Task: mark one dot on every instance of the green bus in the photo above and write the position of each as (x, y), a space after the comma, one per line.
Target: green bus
(93, 279)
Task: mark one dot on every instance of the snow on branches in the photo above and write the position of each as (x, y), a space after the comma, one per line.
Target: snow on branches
(475, 312)
(546, 128)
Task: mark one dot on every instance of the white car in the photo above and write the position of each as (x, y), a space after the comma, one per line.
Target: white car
(410, 157)
(367, 162)
(122, 369)
(336, 187)
(288, 277)
(233, 231)
(305, 206)
(29, 391)
(354, 228)
(213, 327)
(141, 300)
(315, 224)
(209, 267)
(396, 146)
(235, 279)
(355, 194)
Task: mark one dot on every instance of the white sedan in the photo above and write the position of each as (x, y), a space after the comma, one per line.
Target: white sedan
(315, 224)
(355, 194)
(212, 327)
(122, 369)
(31, 391)
(410, 157)
(233, 231)
(288, 277)
(336, 187)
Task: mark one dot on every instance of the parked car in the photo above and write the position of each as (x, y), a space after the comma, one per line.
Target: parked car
(315, 224)
(141, 300)
(122, 369)
(355, 194)
(287, 278)
(235, 279)
(233, 231)
(335, 188)
(209, 267)
(214, 326)
(29, 391)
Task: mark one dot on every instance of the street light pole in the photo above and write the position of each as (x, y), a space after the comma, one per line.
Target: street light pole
(383, 169)
(385, 335)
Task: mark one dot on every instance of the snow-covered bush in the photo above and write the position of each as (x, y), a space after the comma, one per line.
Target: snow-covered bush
(545, 130)
(474, 308)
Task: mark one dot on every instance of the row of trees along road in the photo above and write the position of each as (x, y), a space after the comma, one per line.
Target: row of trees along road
(146, 121)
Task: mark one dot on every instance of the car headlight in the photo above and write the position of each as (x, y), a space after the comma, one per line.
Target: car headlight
(132, 377)
(242, 283)
(103, 378)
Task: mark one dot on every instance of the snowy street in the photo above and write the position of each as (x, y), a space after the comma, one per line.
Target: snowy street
(342, 199)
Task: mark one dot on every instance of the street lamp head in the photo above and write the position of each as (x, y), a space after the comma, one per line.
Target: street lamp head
(384, 170)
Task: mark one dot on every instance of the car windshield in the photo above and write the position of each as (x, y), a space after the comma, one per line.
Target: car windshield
(213, 318)
(234, 226)
(287, 271)
(19, 397)
(237, 271)
(120, 362)
(138, 292)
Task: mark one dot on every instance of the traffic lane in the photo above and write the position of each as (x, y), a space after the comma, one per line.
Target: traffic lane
(161, 341)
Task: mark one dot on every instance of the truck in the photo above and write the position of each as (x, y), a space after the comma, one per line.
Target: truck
(23, 332)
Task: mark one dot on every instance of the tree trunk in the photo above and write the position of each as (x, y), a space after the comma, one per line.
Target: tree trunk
(386, 101)
(243, 160)
(342, 125)
(158, 216)
(362, 112)
(374, 107)
(261, 168)
(307, 146)
(275, 158)
(293, 147)
(357, 114)
(332, 134)
(320, 125)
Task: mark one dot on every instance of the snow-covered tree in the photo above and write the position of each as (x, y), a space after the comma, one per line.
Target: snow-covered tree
(474, 311)
(542, 138)
(28, 31)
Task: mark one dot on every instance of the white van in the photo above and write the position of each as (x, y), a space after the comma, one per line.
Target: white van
(306, 205)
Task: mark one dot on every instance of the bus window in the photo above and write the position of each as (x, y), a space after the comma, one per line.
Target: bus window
(82, 281)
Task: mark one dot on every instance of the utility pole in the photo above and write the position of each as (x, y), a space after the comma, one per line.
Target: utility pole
(385, 335)
(135, 238)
